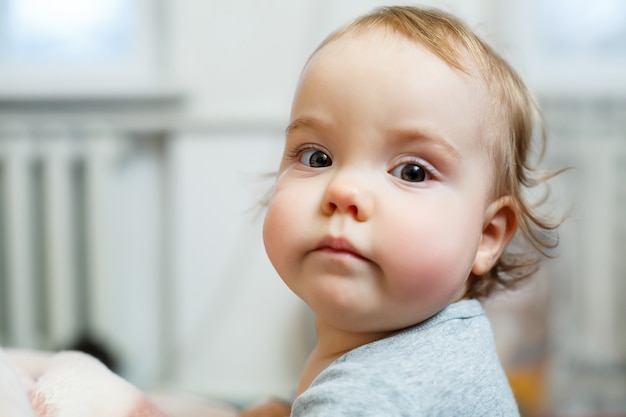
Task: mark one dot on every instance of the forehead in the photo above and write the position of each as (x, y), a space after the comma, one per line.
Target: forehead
(388, 79)
(392, 60)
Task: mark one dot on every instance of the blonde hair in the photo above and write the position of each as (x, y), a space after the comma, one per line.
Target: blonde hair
(516, 129)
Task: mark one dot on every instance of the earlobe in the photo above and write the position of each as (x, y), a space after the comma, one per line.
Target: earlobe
(498, 229)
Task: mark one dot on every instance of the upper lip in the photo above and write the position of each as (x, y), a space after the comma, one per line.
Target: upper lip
(339, 244)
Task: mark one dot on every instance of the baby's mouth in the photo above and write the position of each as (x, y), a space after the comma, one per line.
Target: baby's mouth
(339, 246)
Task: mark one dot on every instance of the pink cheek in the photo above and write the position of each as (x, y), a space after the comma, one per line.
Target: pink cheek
(271, 235)
(414, 286)
(280, 228)
(429, 273)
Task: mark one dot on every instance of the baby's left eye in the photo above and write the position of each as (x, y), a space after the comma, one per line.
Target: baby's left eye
(410, 172)
(315, 158)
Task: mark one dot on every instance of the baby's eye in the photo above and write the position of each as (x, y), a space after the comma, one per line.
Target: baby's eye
(315, 158)
(410, 172)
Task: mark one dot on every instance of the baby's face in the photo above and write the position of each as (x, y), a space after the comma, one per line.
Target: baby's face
(380, 201)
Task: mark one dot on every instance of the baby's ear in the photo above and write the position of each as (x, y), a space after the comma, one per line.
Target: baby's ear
(498, 229)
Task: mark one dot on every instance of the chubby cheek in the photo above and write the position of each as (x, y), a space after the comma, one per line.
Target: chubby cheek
(272, 225)
(281, 229)
(428, 263)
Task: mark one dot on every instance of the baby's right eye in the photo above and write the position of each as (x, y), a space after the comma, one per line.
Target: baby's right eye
(315, 158)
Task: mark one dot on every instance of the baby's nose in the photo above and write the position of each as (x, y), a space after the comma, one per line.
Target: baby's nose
(348, 195)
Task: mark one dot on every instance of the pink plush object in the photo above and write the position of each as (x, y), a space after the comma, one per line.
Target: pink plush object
(66, 384)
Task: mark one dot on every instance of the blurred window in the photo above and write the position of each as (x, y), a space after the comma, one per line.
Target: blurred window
(68, 30)
(582, 27)
(79, 47)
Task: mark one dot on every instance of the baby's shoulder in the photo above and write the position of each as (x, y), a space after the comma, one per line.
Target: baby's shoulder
(450, 361)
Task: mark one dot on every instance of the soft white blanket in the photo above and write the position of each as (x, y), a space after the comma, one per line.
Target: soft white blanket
(66, 384)
(73, 384)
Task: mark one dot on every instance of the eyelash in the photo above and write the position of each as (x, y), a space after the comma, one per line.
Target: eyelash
(420, 162)
(297, 152)
(431, 172)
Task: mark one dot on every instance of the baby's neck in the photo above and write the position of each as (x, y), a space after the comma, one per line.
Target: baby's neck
(332, 343)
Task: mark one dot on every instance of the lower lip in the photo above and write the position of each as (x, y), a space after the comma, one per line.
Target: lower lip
(341, 254)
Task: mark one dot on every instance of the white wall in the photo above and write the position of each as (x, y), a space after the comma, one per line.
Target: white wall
(238, 62)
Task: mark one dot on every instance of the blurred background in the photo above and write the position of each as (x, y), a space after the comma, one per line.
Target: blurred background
(136, 138)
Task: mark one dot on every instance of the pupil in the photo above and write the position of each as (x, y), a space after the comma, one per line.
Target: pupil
(413, 173)
(319, 159)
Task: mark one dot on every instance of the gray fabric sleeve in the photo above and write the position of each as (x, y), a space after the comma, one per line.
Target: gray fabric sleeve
(446, 366)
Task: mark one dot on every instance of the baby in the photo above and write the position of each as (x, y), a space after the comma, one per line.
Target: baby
(402, 183)
(404, 179)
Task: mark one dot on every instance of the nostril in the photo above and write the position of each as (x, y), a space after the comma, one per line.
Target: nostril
(330, 208)
(347, 196)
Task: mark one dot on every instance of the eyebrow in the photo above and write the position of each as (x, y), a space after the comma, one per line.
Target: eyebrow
(425, 136)
(304, 123)
(395, 135)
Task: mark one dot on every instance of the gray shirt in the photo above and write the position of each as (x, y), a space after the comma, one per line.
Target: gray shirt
(444, 366)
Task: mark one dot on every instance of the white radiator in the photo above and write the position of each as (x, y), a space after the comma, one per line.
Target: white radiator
(72, 218)
(52, 190)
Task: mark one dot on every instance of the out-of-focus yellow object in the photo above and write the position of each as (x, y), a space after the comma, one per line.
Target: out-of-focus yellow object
(529, 387)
